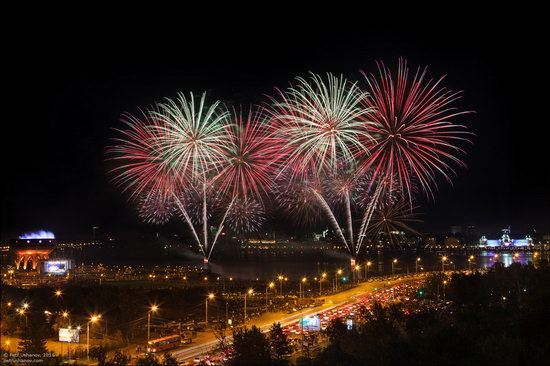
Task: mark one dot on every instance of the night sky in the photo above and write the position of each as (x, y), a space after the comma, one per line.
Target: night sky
(68, 95)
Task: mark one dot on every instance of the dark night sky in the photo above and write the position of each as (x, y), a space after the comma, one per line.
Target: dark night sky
(68, 94)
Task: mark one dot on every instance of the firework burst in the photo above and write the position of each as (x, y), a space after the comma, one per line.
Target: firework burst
(193, 136)
(248, 163)
(245, 216)
(321, 124)
(413, 133)
(142, 168)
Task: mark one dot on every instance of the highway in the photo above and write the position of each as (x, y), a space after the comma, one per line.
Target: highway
(208, 341)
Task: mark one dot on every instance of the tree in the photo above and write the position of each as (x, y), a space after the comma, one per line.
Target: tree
(169, 360)
(251, 347)
(149, 360)
(34, 337)
(99, 353)
(279, 344)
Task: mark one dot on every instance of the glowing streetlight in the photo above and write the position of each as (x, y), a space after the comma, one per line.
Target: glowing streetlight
(58, 293)
(443, 259)
(153, 309)
(416, 264)
(280, 278)
(249, 292)
(393, 265)
(444, 285)
(356, 272)
(210, 297)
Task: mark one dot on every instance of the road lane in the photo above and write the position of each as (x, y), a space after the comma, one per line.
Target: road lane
(265, 321)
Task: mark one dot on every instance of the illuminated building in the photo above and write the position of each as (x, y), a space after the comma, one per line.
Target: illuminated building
(505, 241)
(33, 248)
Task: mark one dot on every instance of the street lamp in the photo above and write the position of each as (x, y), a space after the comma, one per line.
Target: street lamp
(280, 278)
(323, 276)
(249, 292)
(304, 281)
(392, 265)
(58, 293)
(356, 273)
(416, 264)
(338, 272)
(65, 314)
(367, 265)
(470, 262)
(153, 309)
(210, 297)
(444, 284)
(443, 259)
(271, 285)
(92, 320)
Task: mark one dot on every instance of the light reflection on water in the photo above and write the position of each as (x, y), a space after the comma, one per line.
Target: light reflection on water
(265, 268)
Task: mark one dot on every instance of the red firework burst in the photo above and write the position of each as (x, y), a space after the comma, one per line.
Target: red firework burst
(142, 167)
(414, 137)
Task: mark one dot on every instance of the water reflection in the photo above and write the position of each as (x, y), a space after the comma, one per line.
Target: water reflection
(265, 268)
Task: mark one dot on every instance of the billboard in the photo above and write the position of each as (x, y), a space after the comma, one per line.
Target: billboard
(56, 267)
(311, 323)
(69, 335)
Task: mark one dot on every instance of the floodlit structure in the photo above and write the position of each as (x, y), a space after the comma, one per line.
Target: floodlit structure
(32, 248)
(505, 241)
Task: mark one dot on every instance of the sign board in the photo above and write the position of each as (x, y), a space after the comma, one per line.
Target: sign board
(69, 335)
(349, 324)
(311, 323)
(56, 267)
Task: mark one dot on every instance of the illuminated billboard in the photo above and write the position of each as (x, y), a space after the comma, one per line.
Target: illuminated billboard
(56, 267)
(69, 335)
(311, 323)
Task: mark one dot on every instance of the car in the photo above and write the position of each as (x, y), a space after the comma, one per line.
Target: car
(197, 360)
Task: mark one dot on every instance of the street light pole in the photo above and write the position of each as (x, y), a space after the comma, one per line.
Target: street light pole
(271, 284)
(304, 281)
(338, 272)
(444, 284)
(280, 278)
(153, 309)
(416, 265)
(443, 259)
(93, 319)
(323, 276)
(210, 296)
(367, 265)
(392, 265)
(247, 293)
